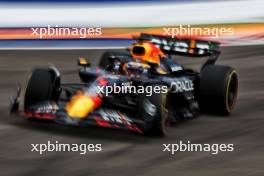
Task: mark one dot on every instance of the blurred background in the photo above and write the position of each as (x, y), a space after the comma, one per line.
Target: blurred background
(120, 20)
(125, 153)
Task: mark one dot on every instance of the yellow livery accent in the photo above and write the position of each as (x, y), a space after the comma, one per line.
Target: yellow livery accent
(192, 46)
(80, 106)
(82, 61)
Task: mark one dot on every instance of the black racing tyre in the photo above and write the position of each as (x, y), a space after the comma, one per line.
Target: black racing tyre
(218, 89)
(155, 112)
(42, 86)
(109, 57)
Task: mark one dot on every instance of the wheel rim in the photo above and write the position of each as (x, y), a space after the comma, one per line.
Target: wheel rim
(231, 94)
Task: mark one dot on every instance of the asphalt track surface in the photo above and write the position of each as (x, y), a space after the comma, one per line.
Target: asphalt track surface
(126, 153)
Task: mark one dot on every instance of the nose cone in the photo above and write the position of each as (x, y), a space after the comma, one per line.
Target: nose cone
(80, 106)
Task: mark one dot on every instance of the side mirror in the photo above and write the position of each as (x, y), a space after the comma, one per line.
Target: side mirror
(83, 62)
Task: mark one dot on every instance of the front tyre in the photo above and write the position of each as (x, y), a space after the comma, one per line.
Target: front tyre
(43, 85)
(218, 89)
(154, 110)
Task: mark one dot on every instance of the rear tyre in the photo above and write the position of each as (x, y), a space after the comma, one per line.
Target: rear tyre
(218, 89)
(42, 86)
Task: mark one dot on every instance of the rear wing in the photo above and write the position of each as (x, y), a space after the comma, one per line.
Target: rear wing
(178, 46)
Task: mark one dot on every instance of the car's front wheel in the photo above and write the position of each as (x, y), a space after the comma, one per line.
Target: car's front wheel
(42, 86)
(155, 110)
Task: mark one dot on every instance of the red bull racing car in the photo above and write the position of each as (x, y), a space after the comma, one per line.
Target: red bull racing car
(143, 90)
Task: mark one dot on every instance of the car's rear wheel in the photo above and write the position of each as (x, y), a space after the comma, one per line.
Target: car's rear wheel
(42, 86)
(218, 89)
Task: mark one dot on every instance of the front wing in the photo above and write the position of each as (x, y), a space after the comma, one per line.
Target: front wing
(102, 117)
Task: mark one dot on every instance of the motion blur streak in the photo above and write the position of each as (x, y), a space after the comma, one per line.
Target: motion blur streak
(139, 14)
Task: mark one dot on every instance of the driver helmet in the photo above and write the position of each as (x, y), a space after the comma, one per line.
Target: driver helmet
(146, 52)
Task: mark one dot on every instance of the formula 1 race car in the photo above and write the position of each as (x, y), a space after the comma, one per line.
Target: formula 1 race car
(143, 90)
